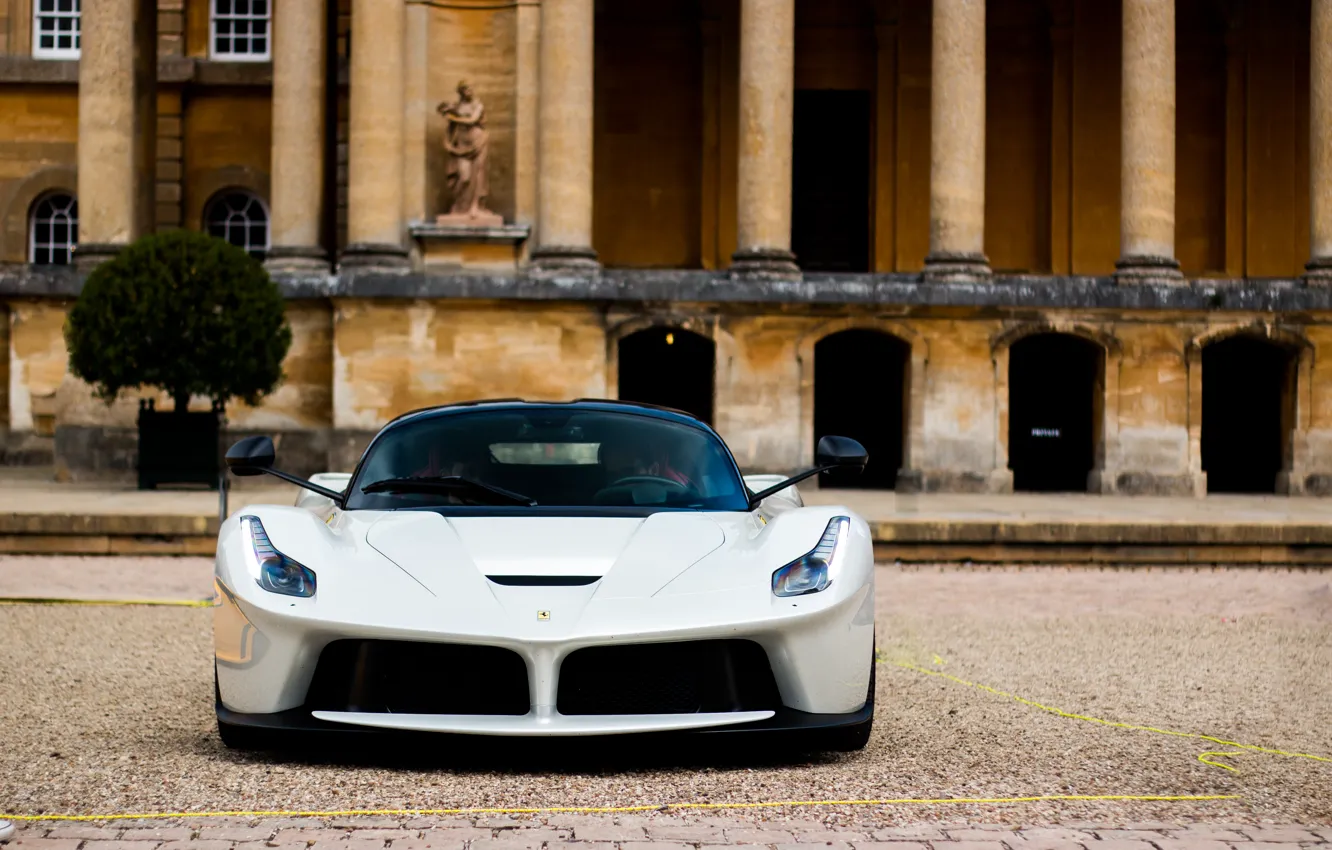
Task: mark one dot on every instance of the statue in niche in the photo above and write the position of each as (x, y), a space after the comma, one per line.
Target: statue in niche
(465, 143)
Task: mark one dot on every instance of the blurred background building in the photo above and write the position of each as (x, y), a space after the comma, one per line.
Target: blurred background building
(1019, 244)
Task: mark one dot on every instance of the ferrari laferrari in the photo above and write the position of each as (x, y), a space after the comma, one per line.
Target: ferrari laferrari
(513, 568)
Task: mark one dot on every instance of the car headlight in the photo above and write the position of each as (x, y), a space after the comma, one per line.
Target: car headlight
(810, 572)
(274, 571)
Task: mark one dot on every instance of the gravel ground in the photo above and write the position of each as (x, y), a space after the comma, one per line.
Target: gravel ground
(110, 710)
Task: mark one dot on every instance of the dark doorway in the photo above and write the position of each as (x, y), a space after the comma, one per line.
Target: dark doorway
(1055, 397)
(1247, 413)
(670, 367)
(860, 390)
(830, 180)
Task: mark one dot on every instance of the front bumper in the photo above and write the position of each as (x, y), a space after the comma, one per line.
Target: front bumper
(269, 648)
(781, 721)
(819, 656)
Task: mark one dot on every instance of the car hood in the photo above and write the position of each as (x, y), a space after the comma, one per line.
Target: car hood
(621, 556)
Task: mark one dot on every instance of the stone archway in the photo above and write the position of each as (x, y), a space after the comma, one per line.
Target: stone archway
(876, 414)
(669, 366)
(912, 382)
(1249, 408)
(1097, 400)
(1055, 392)
(1248, 412)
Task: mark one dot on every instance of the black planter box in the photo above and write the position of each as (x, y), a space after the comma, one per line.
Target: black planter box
(178, 448)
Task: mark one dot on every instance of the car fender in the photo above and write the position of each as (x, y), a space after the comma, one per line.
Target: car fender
(346, 575)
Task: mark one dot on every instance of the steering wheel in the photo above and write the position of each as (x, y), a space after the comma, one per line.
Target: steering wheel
(621, 491)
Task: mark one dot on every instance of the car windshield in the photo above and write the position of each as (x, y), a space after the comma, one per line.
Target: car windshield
(557, 458)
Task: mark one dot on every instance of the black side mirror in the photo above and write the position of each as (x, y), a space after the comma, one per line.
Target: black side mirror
(252, 456)
(831, 453)
(255, 456)
(841, 452)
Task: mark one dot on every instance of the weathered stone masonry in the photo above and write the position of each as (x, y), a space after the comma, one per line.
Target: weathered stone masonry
(1028, 175)
(371, 345)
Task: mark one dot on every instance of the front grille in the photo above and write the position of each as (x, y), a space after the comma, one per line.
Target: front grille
(406, 677)
(667, 678)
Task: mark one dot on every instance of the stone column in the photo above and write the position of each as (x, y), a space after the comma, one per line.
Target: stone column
(297, 165)
(117, 126)
(564, 137)
(417, 112)
(527, 62)
(1147, 164)
(1320, 144)
(767, 98)
(957, 142)
(375, 137)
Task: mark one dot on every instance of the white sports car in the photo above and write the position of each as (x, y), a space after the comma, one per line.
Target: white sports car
(545, 569)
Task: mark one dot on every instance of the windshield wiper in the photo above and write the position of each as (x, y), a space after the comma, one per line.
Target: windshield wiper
(467, 488)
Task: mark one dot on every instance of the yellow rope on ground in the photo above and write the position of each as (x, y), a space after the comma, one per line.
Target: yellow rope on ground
(35, 600)
(1203, 757)
(1117, 724)
(602, 810)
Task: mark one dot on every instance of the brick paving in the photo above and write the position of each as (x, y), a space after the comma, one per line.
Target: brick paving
(586, 832)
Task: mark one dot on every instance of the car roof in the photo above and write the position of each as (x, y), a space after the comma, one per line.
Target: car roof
(589, 404)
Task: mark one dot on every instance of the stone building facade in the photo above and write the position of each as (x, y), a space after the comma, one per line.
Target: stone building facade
(1015, 244)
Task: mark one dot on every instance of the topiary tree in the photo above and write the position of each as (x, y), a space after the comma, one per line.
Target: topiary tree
(184, 312)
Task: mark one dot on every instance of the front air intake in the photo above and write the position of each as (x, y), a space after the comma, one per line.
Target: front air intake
(668, 678)
(409, 677)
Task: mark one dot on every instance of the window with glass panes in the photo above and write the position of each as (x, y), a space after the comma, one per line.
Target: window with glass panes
(240, 218)
(240, 29)
(53, 230)
(55, 29)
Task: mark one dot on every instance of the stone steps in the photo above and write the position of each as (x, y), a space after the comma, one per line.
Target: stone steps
(40, 516)
(1057, 541)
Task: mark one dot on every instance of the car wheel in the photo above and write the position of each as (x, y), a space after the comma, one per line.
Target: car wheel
(852, 738)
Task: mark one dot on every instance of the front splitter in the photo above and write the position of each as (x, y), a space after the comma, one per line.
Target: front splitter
(777, 721)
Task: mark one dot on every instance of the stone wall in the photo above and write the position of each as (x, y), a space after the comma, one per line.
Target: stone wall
(1152, 451)
(357, 362)
(94, 439)
(37, 363)
(4, 373)
(227, 140)
(956, 403)
(1317, 447)
(38, 132)
(391, 357)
